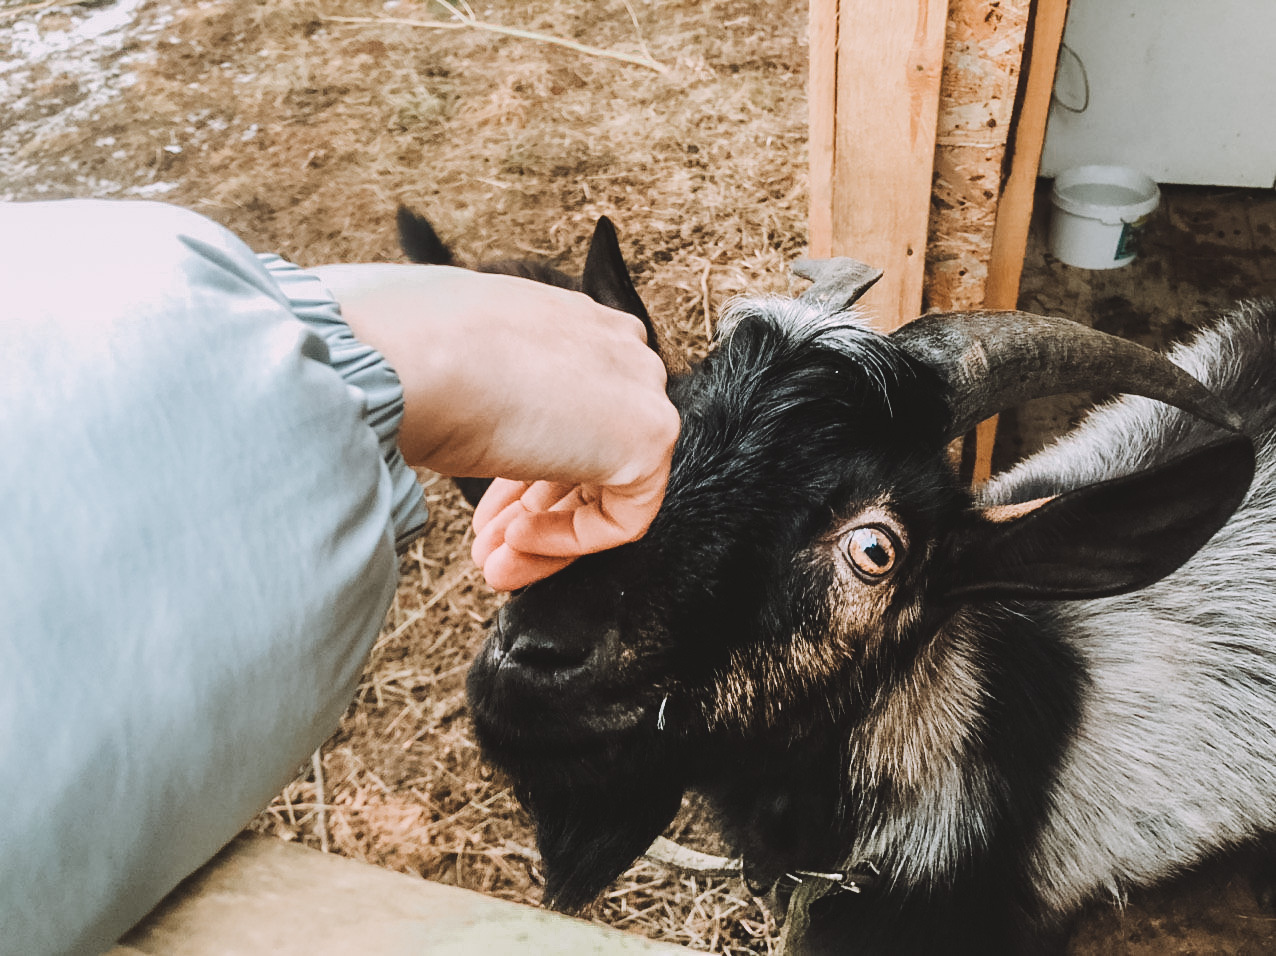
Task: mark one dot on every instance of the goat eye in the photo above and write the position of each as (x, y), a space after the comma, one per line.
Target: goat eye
(872, 552)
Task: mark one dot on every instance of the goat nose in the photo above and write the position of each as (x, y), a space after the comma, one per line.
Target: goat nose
(536, 650)
(553, 647)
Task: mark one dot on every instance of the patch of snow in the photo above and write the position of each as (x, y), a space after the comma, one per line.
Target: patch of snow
(95, 23)
(87, 63)
(151, 189)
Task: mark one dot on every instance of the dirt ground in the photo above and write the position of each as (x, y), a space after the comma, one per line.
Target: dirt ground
(302, 132)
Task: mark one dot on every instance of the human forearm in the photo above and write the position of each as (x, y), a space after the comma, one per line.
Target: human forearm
(508, 377)
(532, 383)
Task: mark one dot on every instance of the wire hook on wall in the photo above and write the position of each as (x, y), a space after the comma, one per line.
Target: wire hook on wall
(1085, 81)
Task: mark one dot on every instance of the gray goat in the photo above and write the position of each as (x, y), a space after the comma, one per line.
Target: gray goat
(978, 711)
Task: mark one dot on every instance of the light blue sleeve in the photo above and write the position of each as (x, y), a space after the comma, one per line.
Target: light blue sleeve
(200, 499)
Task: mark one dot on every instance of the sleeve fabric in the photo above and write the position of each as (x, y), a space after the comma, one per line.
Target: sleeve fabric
(200, 502)
(366, 371)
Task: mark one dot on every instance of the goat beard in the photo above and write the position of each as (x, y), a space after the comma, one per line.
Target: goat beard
(593, 821)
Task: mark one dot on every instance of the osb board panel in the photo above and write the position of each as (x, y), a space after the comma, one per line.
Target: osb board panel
(983, 51)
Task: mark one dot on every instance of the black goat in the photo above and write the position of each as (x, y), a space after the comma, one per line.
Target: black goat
(985, 710)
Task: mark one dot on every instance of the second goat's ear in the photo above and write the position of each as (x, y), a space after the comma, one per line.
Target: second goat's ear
(419, 241)
(472, 489)
(606, 278)
(1107, 538)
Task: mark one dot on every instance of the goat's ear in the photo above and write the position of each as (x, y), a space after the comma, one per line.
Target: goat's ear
(1107, 538)
(606, 278)
(419, 241)
(472, 489)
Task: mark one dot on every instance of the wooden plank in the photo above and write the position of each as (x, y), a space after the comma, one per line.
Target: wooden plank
(1010, 239)
(825, 24)
(261, 895)
(1014, 215)
(875, 75)
(983, 54)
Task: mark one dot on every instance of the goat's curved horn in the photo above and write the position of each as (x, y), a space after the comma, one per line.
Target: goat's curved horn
(839, 281)
(995, 360)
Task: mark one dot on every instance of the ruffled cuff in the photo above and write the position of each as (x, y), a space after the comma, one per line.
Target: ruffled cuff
(366, 370)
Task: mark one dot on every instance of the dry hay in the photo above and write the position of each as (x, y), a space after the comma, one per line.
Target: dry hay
(302, 135)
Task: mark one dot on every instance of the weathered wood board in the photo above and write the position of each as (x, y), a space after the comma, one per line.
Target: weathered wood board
(261, 895)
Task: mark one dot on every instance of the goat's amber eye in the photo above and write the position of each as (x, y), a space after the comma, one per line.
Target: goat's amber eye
(872, 552)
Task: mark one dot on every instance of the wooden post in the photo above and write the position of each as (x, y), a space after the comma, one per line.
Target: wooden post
(1014, 211)
(874, 101)
(887, 151)
(984, 53)
(1010, 240)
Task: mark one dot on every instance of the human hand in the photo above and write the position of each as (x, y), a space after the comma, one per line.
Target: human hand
(525, 531)
(557, 397)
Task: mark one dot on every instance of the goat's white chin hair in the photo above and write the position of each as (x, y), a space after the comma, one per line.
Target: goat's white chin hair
(800, 318)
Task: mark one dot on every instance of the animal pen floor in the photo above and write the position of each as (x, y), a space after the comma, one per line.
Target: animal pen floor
(302, 132)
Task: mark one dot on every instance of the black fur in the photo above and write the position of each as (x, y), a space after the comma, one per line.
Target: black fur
(736, 515)
(734, 650)
(1034, 685)
(419, 241)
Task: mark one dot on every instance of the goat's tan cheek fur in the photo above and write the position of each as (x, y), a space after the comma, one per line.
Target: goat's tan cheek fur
(860, 615)
(736, 697)
(756, 679)
(932, 718)
(757, 683)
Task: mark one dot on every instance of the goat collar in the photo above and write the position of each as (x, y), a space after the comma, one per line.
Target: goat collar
(863, 877)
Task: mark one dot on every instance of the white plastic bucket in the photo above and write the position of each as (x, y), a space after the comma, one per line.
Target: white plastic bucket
(1098, 214)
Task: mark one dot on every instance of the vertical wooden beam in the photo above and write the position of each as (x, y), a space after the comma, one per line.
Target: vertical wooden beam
(874, 95)
(880, 132)
(1014, 213)
(984, 53)
(1010, 239)
(824, 27)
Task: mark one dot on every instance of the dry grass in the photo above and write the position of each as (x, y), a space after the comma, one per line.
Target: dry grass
(302, 135)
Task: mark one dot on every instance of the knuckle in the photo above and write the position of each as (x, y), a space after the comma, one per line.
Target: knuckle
(668, 424)
(636, 327)
(651, 369)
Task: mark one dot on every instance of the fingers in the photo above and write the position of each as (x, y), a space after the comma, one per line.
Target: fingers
(581, 524)
(524, 532)
(504, 567)
(500, 493)
(504, 501)
(507, 569)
